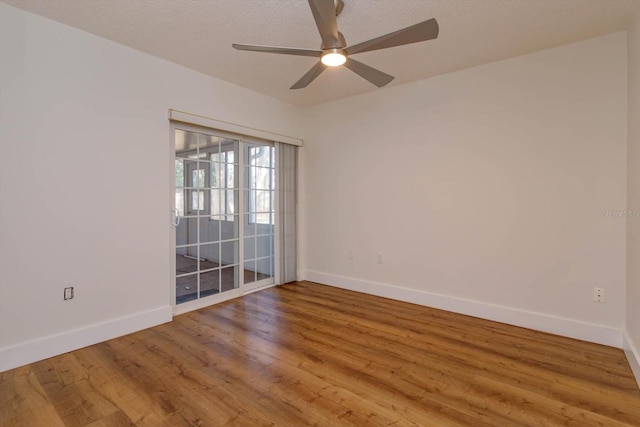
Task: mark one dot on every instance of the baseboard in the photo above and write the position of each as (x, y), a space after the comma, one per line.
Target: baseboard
(527, 319)
(633, 356)
(53, 345)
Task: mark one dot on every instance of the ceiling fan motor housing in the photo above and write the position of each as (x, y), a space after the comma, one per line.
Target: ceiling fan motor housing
(340, 45)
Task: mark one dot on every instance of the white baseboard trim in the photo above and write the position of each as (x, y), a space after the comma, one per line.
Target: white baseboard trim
(633, 356)
(53, 345)
(585, 331)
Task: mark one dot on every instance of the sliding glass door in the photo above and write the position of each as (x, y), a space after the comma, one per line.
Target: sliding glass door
(224, 237)
(259, 214)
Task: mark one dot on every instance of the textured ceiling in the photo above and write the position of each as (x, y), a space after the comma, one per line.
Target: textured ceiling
(198, 34)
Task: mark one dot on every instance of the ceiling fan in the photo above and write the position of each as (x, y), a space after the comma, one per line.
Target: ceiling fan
(334, 50)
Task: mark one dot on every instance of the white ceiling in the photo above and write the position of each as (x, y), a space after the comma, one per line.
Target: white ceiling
(198, 34)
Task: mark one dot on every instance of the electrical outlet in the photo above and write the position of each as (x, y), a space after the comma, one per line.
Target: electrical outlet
(379, 258)
(68, 293)
(598, 295)
(350, 254)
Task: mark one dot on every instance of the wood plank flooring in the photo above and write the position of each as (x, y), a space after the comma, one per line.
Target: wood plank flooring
(306, 354)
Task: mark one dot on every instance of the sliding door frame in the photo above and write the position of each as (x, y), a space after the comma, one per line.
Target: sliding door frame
(242, 289)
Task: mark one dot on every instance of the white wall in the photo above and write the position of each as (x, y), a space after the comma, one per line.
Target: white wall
(491, 191)
(487, 191)
(632, 336)
(84, 181)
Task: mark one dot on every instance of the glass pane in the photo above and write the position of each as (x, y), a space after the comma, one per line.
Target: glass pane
(214, 155)
(249, 226)
(186, 143)
(216, 202)
(186, 260)
(223, 203)
(205, 200)
(229, 227)
(230, 202)
(179, 173)
(262, 201)
(229, 252)
(209, 146)
(229, 278)
(186, 232)
(223, 175)
(248, 201)
(249, 271)
(232, 176)
(209, 283)
(249, 248)
(262, 218)
(264, 246)
(214, 175)
(179, 202)
(210, 256)
(264, 229)
(196, 202)
(249, 178)
(262, 178)
(230, 148)
(264, 267)
(228, 176)
(186, 288)
(199, 202)
(197, 178)
(209, 230)
(260, 155)
(189, 166)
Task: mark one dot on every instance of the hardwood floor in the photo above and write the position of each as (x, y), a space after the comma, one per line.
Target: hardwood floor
(306, 354)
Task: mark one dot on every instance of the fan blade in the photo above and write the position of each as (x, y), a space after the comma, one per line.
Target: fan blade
(281, 50)
(427, 30)
(309, 76)
(324, 13)
(376, 77)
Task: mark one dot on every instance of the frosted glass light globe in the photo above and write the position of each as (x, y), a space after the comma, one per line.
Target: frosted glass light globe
(334, 58)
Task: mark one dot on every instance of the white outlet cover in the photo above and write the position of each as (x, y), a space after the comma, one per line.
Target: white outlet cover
(598, 295)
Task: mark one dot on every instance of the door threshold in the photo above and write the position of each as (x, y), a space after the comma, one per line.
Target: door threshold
(259, 288)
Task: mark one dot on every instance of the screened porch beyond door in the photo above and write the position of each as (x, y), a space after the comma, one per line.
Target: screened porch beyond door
(225, 219)
(186, 286)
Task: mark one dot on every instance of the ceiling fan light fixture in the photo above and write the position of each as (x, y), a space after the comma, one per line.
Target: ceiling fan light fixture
(334, 50)
(333, 57)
